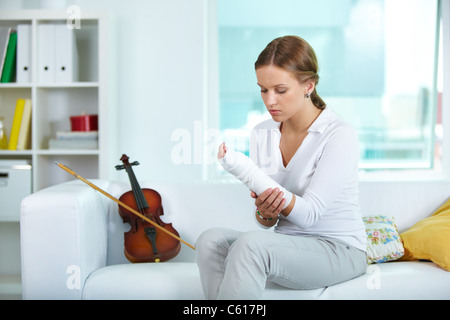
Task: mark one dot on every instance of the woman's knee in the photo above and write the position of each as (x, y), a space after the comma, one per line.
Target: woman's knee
(251, 243)
(214, 237)
(206, 239)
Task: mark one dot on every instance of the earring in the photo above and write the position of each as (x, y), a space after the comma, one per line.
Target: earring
(307, 95)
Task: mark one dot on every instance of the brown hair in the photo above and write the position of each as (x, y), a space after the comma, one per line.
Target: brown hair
(293, 54)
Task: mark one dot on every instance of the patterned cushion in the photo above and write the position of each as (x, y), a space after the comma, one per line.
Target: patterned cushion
(383, 241)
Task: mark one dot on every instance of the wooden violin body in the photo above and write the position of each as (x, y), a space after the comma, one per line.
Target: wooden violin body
(143, 242)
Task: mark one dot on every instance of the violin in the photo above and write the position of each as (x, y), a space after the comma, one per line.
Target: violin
(144, 242)
(121, 204)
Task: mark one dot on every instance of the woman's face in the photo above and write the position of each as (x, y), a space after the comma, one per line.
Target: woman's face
(281, 92)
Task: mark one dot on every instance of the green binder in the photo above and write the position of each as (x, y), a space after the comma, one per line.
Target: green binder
(9, 66)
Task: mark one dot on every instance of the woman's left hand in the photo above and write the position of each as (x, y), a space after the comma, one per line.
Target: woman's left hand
(222, 151)
(270, 203)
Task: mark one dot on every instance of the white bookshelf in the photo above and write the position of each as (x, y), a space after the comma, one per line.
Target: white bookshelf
(54, 103)
(52, 106)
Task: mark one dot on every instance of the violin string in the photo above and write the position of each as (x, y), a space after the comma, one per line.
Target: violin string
(140, 200)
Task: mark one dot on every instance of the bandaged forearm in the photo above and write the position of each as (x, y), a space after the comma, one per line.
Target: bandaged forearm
(244, 169)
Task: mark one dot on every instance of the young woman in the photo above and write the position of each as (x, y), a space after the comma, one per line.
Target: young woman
(319, 238)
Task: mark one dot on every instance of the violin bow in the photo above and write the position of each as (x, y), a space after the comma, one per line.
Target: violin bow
(120, 203)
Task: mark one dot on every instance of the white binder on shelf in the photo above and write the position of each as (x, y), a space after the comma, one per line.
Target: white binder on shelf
(57, 54)
(66, 55)
(23, 65)
(46, 53)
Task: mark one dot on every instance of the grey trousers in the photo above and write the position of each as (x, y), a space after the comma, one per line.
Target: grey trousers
(236, 265)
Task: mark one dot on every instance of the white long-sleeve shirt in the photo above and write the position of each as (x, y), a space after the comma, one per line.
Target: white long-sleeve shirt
(323, 176)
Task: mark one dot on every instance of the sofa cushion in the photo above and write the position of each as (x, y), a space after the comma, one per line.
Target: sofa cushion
(397, 280)
(149, 281)
(429, 239)
(383, 241)
(181, 280)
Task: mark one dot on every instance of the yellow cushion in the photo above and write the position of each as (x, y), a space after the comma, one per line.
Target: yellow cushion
(429, 239)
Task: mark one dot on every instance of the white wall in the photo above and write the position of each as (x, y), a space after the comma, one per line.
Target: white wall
(159, 79)
(159, 66)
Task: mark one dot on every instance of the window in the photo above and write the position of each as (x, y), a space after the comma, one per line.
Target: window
(378, 64)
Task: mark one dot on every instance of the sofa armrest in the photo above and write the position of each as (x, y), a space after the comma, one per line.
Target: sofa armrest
(63, 239)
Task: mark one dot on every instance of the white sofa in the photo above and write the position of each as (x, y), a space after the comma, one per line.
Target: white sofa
(72, 243)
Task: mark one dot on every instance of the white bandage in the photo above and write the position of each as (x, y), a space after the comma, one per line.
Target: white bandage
(244, 169)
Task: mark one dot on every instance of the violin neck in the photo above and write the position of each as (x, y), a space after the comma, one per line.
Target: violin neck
(137, 191)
